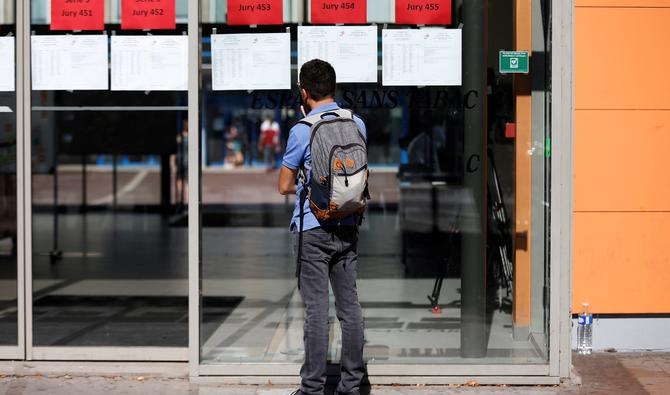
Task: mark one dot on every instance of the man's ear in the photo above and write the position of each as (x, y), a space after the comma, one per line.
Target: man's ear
(304, 94)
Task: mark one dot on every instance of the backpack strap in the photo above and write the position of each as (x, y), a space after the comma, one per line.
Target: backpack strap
(338, 113)
(302, 177)
(310, 120)
(344, 113)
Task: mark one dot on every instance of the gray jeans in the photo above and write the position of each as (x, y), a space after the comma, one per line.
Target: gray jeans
(330, 254)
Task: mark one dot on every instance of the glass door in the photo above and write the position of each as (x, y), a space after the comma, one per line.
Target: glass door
(108, 172)
(446, 275)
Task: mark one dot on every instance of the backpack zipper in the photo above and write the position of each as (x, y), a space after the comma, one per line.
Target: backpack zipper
(344, 170)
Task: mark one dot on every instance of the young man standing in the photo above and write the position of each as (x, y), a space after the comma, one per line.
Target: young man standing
(329, 250)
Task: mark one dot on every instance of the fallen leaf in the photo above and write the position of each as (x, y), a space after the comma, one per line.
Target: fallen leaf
(472, 383)
(140, 378)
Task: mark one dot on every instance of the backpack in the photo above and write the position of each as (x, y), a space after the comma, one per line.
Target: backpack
(338, 182)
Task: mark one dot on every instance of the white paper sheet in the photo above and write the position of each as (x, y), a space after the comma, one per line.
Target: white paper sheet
(352, 50)
(69, 62)
(251, 61)
(7, 64)
(425, 57)
(150, 63)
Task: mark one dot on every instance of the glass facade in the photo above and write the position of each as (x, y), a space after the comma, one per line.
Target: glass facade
(437, 248)
(454, 251)
(109, 258)
(8, 190)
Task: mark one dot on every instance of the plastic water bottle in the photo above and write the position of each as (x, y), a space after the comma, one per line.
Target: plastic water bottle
(585, 331)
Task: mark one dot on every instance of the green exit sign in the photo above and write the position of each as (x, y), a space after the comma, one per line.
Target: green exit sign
(514, 62)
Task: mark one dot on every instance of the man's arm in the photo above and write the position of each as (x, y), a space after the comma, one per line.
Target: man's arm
(292, 161)
(287, 179)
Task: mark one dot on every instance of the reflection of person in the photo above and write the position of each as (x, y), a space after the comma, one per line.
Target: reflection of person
(234, 146)
(181, 164)
(268, 143)
(329, 251)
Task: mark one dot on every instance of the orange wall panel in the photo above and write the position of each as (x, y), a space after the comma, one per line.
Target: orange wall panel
(622, 134)
(622, 262)
(522, 170)
(622, 58)
(621, 161)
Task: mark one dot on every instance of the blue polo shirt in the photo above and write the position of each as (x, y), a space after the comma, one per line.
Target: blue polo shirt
(298, 154)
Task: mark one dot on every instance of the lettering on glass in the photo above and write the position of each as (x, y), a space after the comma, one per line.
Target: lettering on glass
(255, 12)
(423, 12)
(363, 98)
(334, 11)
(471, 104)
(148, 14)
(77, 14)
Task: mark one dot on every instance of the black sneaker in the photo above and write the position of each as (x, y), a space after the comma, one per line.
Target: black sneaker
(297, 392)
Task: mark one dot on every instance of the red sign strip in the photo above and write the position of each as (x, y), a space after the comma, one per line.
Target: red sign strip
(423, 12)
(338, 11)
(77, 14)
(255, 12)
(143, 14)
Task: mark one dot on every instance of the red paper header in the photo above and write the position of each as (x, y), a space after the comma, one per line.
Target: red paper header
(423, 12)
(77, 14)
(255, 12)
(151, 14)
(338, 11)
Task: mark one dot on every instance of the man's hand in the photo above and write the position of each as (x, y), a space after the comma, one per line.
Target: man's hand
(287, 179)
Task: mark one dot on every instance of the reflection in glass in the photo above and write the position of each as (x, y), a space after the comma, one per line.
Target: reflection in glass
(109, 203)
(411, 254)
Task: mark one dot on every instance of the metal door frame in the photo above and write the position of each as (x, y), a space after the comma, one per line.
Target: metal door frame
(28, 350)
(18, 351)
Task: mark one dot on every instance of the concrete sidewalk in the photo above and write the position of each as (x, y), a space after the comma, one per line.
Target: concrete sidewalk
(614, 373)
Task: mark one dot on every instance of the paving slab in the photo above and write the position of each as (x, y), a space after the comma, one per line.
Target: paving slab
(601, 373)
(651, 370)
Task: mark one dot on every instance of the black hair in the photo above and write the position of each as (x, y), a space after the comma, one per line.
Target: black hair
(317, 77)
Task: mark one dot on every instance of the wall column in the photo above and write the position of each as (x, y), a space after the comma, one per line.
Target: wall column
(522, 176)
